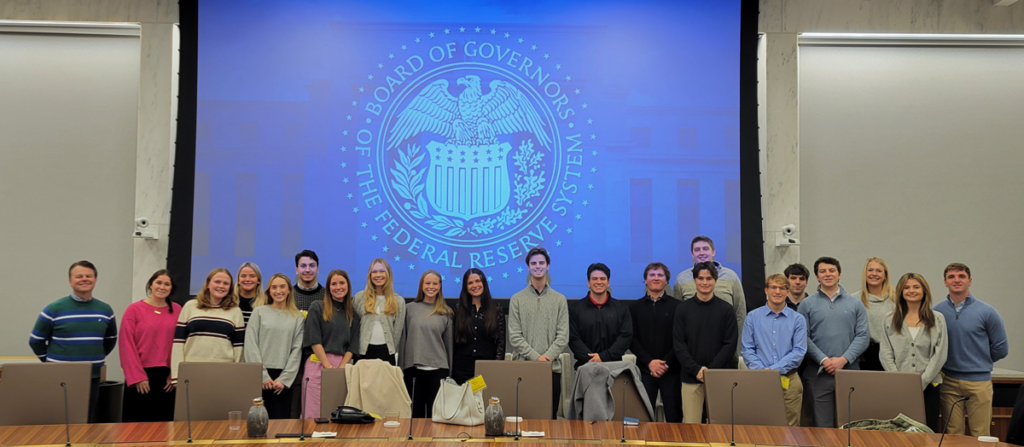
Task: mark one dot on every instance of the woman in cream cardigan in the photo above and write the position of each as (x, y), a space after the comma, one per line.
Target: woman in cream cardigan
(381, 313)
(916, 340)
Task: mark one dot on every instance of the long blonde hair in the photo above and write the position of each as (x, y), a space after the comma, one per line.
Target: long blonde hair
(370, 293)
(329, 299)
(260, 298)
(289, 301)
(887, 292)
(230, 300)
(440, 307)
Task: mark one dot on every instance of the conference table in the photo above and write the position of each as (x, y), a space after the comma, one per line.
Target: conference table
(428, 434)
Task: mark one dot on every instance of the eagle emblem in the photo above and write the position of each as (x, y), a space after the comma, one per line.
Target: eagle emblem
(472, 118)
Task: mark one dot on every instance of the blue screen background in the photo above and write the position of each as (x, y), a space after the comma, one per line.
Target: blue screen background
(604, 131)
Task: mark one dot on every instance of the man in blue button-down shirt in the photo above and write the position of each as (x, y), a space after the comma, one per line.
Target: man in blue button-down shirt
(775, 337)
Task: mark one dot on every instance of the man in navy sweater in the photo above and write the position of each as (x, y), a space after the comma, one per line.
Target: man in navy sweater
(977, 339)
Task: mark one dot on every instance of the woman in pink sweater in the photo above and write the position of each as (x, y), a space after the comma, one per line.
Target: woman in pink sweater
(147, 335)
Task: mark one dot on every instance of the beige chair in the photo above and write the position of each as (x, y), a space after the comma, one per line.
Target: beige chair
(214, 389)
(758, 397)
(333, 391)
(31, 393)
(534, 391)
(878, 395)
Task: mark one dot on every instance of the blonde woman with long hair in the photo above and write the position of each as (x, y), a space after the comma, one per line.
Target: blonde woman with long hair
(249, 289)
(915, 340)
(274, 338)
(425, 352)
(332, 333)
(210, 328)
(877, 295)
(382, 314)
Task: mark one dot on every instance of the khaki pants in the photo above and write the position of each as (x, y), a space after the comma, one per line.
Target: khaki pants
(794, 398)
(979, 407)
(693, 403)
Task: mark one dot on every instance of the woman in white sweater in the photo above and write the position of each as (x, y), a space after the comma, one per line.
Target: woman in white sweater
(210, 328)
(382, 314)
(915, 340)
(274, 338)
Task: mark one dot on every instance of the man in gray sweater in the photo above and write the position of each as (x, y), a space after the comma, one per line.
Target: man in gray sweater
(837, 334)
(538, 321)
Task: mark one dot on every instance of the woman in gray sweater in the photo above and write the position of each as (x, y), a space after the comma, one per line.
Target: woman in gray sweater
(425, 352)
(274, 338)
(915, 340)
(879, 299)
(382, 314)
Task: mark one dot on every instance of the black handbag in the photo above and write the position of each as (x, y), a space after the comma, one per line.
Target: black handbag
(351, 415)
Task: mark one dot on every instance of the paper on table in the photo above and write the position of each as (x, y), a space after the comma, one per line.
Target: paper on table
(532, 434)
(324, 434)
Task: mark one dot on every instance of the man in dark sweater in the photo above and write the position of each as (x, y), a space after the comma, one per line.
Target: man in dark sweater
(705, 337)
(600, 329)
(307, 289)
(653, 317)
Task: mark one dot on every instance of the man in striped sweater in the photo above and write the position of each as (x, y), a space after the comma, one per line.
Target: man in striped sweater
(77, 328)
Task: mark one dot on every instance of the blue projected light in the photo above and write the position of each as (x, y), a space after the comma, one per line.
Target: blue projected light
(447, 135)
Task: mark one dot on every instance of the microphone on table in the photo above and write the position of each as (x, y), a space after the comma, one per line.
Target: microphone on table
(625, 383)
(414, 399)
(302, 421)
(732, 411)
(518, 381)
(188, 412)
(951, 407)
(67, 423)
(849, 416)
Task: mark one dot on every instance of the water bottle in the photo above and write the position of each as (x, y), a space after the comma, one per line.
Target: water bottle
(494, 418)
(258, 420)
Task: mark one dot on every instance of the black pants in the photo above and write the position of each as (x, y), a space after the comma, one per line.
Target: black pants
(556, 392)
(671, 387)
(463, 368)
(932, 403)
(379, 352)
(279, 406)
(155, 406)
(869, 361)
(94, 398)
(427, 384)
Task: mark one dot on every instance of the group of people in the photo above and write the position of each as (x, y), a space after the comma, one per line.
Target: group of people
(297, 330)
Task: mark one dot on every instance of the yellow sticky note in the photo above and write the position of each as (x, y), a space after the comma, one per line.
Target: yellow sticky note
(477, 383)
(314, 358)
(785, 382)
(303, 313)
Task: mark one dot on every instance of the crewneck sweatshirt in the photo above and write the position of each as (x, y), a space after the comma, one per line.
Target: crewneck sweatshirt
(977, 339)
(704, 334)
(274, 338)
(538, 324)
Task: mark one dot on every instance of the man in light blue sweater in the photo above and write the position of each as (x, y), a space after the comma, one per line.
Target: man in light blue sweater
(837, 335)
(977, 339)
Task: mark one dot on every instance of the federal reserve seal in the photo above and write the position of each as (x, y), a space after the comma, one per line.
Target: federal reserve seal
(470, 150)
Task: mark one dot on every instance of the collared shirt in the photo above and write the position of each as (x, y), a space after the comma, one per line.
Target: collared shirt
(790, 304)
(774, 340)
(78, 298)
(831, 297)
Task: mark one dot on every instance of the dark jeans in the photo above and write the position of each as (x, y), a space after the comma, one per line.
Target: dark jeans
(94, 397)
(379, 352)
(279, 406)
(556, 392)
(869, 361)
(671, 388)
(427, 384)
(155, 406)
(932, 403)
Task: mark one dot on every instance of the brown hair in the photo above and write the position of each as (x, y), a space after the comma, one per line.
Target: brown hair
(440, 307)
(702, 239)
(174, 287)
(230, 300)
(346, 301)
(89, 266)
(925, 313)
(957, 267)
